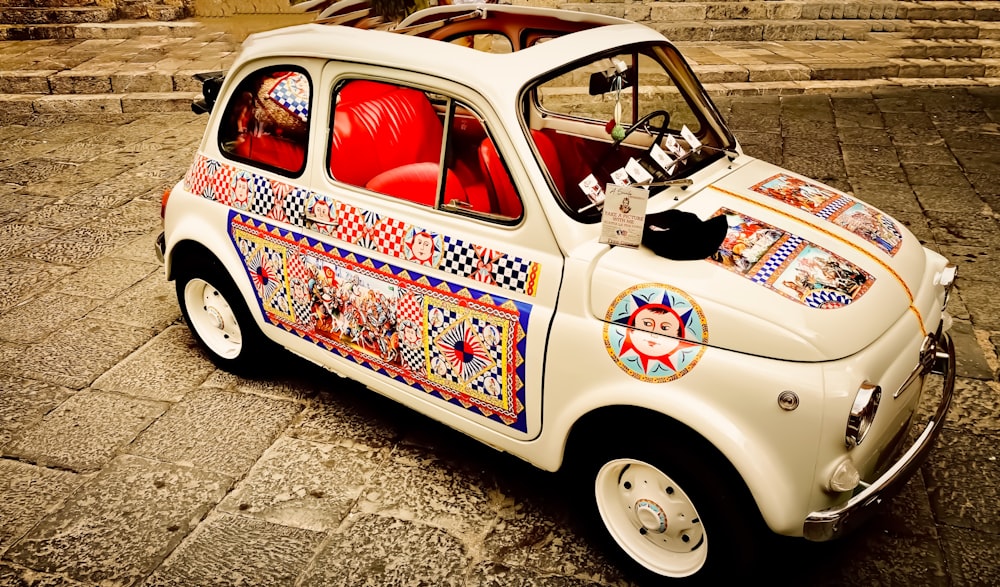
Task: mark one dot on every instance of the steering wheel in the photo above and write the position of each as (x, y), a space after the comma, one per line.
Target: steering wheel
(644, 123)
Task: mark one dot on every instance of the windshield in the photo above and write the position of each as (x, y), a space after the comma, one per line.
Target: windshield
(627, 117)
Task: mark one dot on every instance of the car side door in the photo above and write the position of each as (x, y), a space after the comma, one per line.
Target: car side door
(420, 269)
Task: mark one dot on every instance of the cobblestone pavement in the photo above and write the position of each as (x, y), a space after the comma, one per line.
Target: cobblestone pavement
(126, 458)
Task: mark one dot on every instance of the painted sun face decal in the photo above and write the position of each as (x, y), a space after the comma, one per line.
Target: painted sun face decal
(655, 333)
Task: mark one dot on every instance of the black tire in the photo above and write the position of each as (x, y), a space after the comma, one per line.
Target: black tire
(217, 314)
(671, 509)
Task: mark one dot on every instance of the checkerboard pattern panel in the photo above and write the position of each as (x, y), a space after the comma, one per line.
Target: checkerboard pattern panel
(512, 273)
(196, 180)
(833, 207)
(350, 223)
(823, 298)
(413, 358)
(776, 260)
(299, 275)
(389, 234)
(261, 195)
(287, 93)
(221, 183)
(408, 309)
(459, 258)
(295, 206)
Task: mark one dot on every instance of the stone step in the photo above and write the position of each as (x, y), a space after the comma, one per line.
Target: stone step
(89, 73)
(20, 15)
(833, 30)
(784, 30)
(121, 29)
(793, 10)
(949, 10)
(950, 49)
(54, 3)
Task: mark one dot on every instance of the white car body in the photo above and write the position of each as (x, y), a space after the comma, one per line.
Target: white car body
(561, 353)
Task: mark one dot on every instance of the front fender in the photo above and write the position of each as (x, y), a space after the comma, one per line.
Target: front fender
(729, 399)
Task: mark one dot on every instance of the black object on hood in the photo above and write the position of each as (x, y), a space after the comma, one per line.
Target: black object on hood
(682, 236)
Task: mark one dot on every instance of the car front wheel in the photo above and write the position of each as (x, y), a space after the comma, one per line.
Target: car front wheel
(675, 513)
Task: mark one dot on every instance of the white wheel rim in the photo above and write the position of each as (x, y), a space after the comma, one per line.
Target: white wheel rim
(651, 518)
(212, 318)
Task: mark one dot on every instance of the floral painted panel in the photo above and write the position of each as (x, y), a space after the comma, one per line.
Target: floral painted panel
(460, 345)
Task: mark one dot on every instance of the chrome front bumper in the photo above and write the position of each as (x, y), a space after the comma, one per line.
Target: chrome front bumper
(834, 522)
(161, 247)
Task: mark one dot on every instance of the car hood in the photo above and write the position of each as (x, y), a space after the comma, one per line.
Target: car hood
(805, 272)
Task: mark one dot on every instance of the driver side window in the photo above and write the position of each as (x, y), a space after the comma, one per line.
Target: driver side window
(597, 90)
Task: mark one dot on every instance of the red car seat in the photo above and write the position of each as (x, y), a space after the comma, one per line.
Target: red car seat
(384, 130)
(507, 203)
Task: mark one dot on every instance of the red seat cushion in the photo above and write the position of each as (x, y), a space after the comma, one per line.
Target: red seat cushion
(417, 182)
(507, 202)
(550, 157)
(387, 130)
(270, 150)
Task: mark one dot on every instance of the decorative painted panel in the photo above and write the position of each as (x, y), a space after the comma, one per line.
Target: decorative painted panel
(845, 212)
(789, 264)
(458, 344)
(655, 332)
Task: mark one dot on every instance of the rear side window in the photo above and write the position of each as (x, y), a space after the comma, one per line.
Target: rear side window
(266, 122)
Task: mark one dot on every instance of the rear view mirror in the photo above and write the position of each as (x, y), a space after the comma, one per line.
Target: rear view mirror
(612, 80)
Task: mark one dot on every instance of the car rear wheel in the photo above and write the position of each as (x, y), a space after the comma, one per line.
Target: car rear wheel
(219, 319)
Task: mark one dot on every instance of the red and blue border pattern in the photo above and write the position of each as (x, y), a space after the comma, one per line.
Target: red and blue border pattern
(276, 200)
(847, 213)
(461, 345)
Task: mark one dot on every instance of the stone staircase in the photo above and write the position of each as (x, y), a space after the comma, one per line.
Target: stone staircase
(140, 54)
(67, 19)
(797, 45)
(809, 20)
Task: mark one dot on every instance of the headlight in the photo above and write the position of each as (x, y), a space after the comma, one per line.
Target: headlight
(862, 413)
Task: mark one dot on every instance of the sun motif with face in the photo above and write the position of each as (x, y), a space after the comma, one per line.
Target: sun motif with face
(655, 333)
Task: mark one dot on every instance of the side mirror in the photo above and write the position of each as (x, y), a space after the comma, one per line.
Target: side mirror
(211, 83)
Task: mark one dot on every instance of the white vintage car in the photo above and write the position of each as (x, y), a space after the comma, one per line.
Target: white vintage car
(535, 227)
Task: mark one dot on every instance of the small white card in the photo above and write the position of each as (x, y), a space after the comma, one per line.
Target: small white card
(593, 189)
(674, 147)
(692, 140)
(637, 171)
(663, 159)
(623, 216)
(620, 177)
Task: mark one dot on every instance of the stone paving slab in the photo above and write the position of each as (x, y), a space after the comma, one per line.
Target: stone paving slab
(121, 525)
(27, 492)
(216, 430)
(84, 432)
